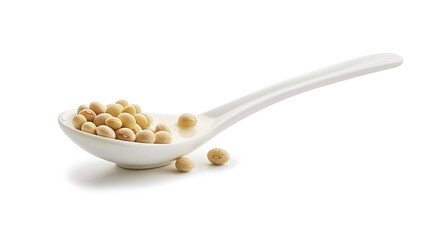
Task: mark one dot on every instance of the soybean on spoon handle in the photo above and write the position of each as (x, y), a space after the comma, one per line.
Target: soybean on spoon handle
(240, 108)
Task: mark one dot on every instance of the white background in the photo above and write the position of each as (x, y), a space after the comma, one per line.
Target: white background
(347, 161)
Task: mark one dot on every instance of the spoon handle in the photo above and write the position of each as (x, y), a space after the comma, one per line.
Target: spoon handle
(240, 108)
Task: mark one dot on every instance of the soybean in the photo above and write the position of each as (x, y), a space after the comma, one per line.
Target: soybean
(130, 109)
(125, 134)
(141, 120)
(97, 107)
(127, 120)
(218, 156)
(89, 127)
(184, 164)
(162, 137)
(101, 119)
(149, 119)
(145, 136)
(115, 109)
(114, 123)
(105, 131)
(78, 121)
(187, 120)
(88, 114)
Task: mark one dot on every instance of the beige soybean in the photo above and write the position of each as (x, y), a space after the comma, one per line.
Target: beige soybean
(89, 127)
(81, 107)
(149, 119)
(162, 137)
(114, 123)
(97, 107)
(184, 164)
(127, 120)
(187, 120)
(137, 107)
(105, 131)
(145, 136)
(130, 109)
(88, 114)
(78, 121)
(101, 119)
(123, 102)
(218, 156)
(141, 120)
(125, 134)
(162, 127)
(115, 109)
(137, 129)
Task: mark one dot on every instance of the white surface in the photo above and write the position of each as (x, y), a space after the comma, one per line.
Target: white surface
(347, 161)
(132, 155)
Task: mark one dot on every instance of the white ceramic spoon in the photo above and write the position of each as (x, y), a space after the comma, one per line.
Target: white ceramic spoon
(142, 156)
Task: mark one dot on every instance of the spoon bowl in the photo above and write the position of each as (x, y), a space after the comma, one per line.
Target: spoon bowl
(134, 155)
